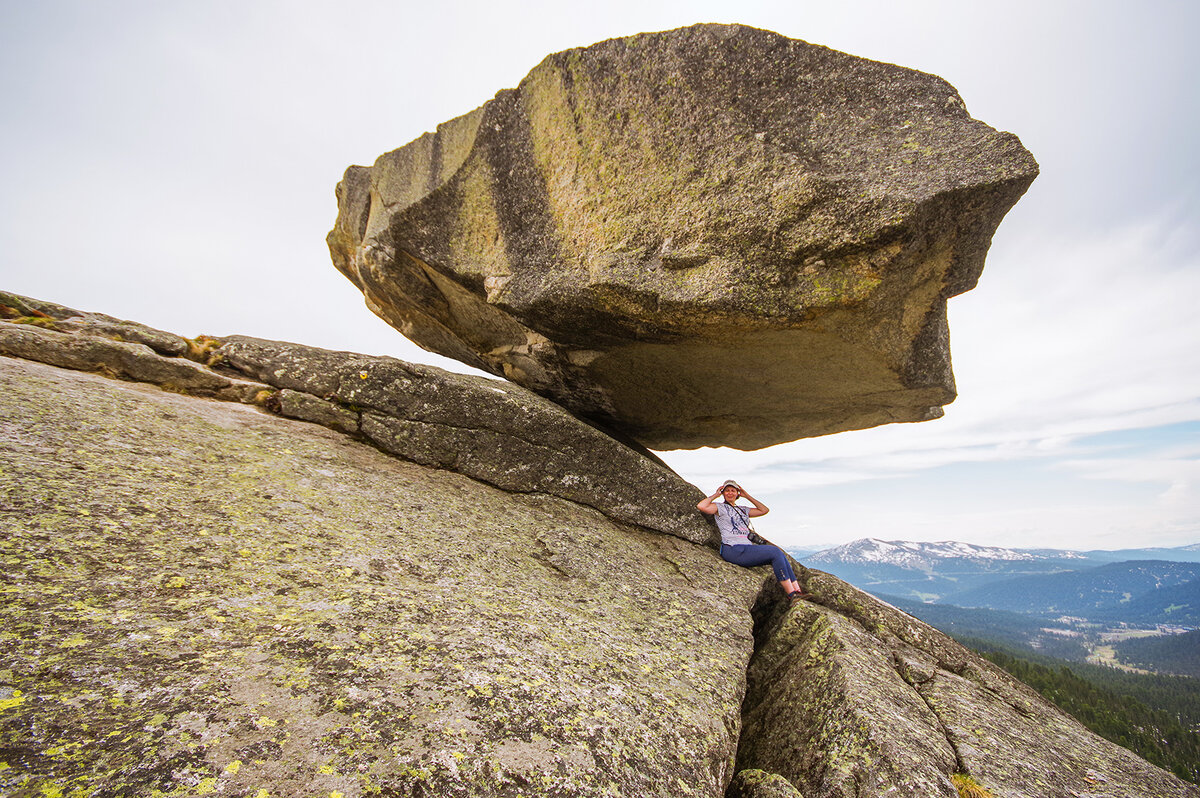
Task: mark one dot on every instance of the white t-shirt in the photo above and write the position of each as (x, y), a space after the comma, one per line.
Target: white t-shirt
(733, 522)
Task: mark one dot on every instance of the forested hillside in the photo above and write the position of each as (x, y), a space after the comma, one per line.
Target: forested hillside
(1178, 654)
(1108, 588)
(1176, 604)
(1010, 628)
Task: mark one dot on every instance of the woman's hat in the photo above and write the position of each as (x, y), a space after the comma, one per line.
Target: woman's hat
(729, 482)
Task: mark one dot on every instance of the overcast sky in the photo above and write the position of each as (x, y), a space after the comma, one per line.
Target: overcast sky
(174, 163)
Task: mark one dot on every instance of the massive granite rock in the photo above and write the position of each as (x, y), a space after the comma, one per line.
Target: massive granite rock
(203, 598)
(709, 236)
(200, 598)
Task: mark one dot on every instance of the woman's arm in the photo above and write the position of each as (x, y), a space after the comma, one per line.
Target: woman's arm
(706, 506)
(759, 507)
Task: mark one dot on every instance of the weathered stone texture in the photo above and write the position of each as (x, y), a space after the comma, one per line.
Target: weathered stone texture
(760, 784)
(68, 319)
(712, 235)
(133, 361)
(827, 710)
(487, 429)
(851, 697)
(490, 430)
(204, 598)
(201, 598)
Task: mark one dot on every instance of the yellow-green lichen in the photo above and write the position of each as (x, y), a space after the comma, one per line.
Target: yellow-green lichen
(45, 322)
(290, 616)
(969, 788)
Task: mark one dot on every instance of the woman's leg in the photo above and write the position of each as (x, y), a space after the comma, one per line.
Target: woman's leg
(785, 574)
(755, 555)
(783, 568)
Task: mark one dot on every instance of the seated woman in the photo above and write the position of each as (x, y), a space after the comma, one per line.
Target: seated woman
(734, 524)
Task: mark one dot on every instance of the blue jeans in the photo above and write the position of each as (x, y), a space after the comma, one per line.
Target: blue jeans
(752, 555)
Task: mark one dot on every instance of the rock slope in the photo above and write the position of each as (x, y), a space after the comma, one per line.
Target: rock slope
(203, 597)
(883, 704)
(490, 430)
(709, 236)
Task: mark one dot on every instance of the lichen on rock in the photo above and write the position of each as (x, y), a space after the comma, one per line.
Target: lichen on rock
(486, 429)
(851, 697)
(205, 598)
(753, 783)
(489, 430)
(202, 597)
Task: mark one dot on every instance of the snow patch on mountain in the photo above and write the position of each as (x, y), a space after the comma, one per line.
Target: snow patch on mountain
(908, 554)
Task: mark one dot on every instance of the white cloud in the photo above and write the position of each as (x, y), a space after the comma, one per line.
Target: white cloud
(1179, 493)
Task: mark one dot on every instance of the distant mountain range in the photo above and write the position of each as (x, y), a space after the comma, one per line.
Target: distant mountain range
(1142, 586)
(1108, 590)
(1178, 554)
(931, 571)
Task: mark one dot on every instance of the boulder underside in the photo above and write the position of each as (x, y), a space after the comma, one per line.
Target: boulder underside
(709, 236)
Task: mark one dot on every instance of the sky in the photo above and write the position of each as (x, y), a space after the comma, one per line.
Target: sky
(174, 163)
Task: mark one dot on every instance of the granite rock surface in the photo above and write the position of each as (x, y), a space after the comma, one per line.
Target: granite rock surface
(849, 697)
(202, 597)
(714, 235)
(490, 430)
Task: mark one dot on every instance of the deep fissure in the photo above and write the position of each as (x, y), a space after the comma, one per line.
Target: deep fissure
(767, 611)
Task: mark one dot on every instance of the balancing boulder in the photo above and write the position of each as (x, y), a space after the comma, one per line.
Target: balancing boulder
(709, 236)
